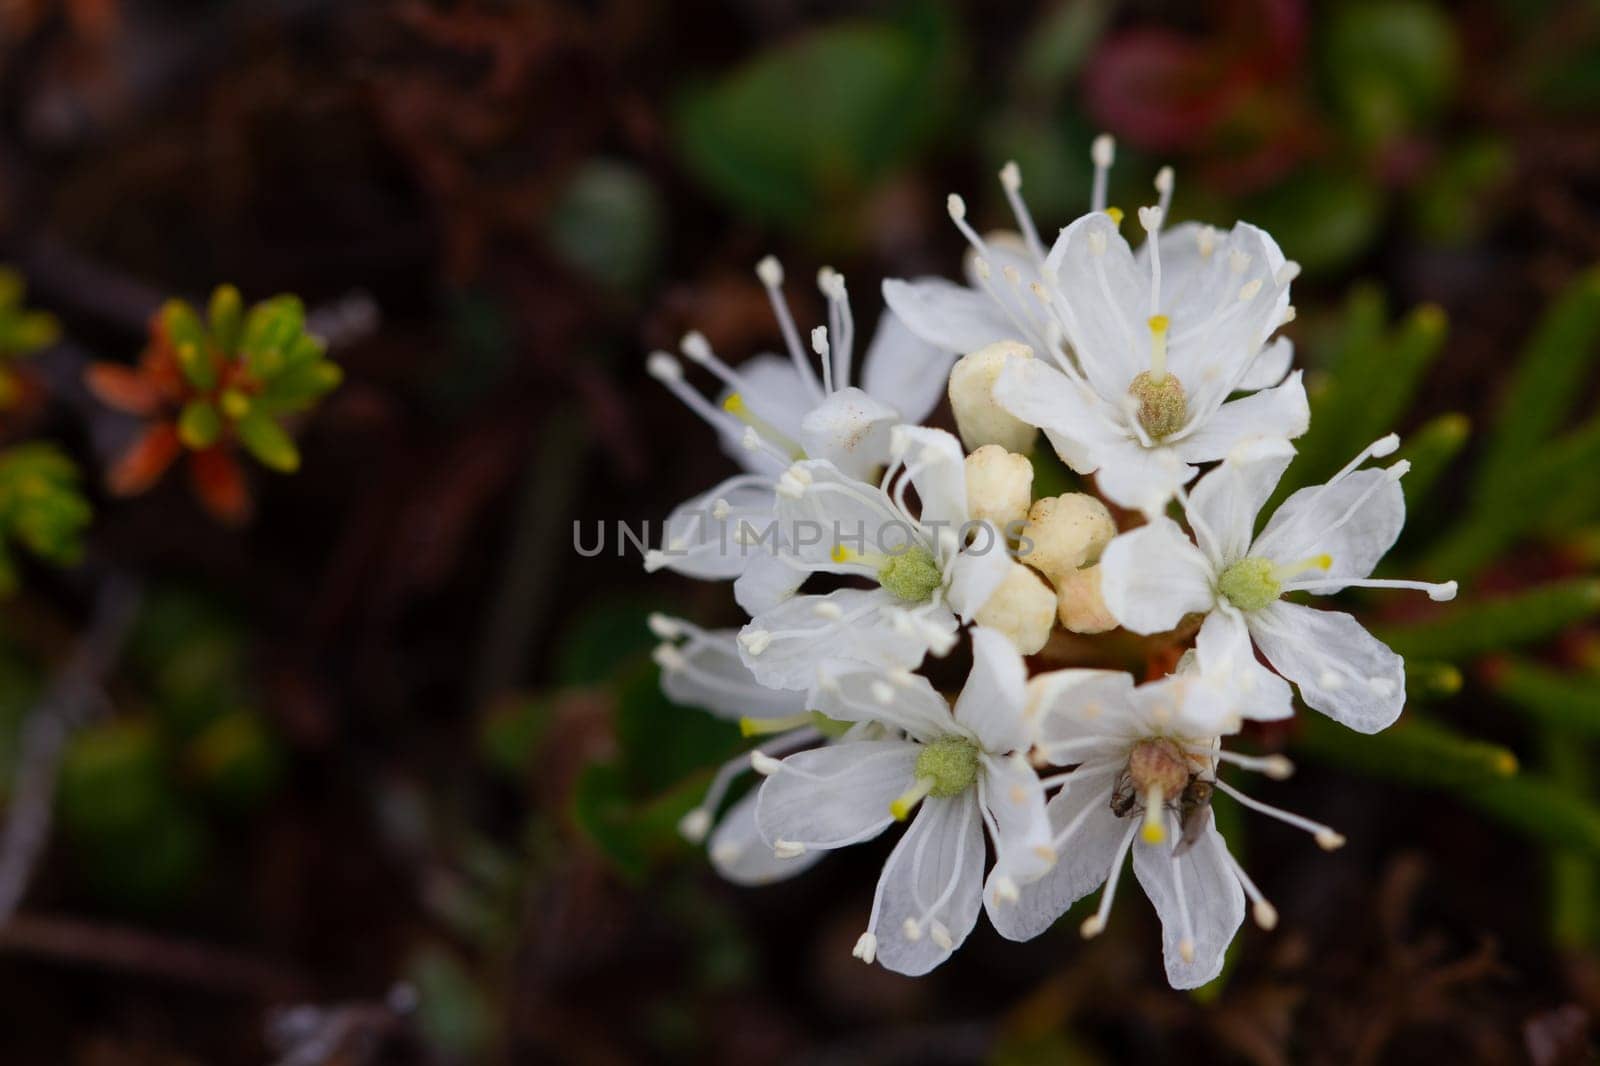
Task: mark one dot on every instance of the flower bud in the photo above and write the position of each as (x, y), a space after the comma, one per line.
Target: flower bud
(1023, 608)
(979, 418)
(1079, 604)
(1067, 532)
(999, 487)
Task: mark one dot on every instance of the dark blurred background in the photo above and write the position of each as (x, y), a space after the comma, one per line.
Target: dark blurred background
(384, 776)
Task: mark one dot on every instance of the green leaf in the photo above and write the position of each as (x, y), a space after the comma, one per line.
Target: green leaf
(1430, 680)
(1465, 630)
(268, 442)
(1326, 218)
(226, 315)
(1568, 700)
(1574, 877)
(1548, 382)
(1542, 810)
(1415, 751)
(199, 425)
(1557, 480)
(1430, 451)
(189, 340)
(808, 126)
(607, 224)
(632, 835)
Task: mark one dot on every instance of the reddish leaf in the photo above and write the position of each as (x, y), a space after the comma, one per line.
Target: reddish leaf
(142, 465)
(220, 484)
(123, 388)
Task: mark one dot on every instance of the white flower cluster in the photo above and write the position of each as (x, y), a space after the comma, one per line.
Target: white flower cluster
(860, 542)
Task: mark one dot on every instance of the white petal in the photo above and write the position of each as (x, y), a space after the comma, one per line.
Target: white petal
(784, 646)
(1224, 505)
(1010, 789)
(702, 539)
(992, 701)
(1078, 422)
(767, 581)
(1270, 366)
(706, 671)
(1214, 335)
(850, 429)
(835, 795)
(1211, 892)
(1141, 478)
(1082, 715)
(834, 510)
(739, 854)
(904, 370)
(934, 875)
(1354, 520)
(937, 467)
(976, 573)
(1342, 670)
(950, 316)
(775, 392)
(1154, 575)
(1083, 864)
(903, 701)
(1109, 324)
(1007, 250)
(1231, 681)
(1281, 411)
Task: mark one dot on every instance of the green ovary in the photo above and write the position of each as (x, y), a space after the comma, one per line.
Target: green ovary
(1163, 409)
(951, 763)
(1250, 584)
(912, 576)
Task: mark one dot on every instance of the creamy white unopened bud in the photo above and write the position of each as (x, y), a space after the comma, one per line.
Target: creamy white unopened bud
(999, 487)
(1023, 608)
(1066, 532)
(979, 418)
(1079, 604)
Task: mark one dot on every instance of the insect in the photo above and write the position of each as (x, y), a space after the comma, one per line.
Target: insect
(1123, 795)
(1194, 813)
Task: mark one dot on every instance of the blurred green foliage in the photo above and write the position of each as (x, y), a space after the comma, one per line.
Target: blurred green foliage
(801, 133)
(42, 508)
(22, 333)
(248, 370)
(144, 795)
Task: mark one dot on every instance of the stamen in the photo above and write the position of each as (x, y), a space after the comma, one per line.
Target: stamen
(667, 370)
(1264, 913)
(764, 764)
(1276, 767)
(1164, 182)
(1185, 923)
(1282, 572)
(665, 627)
(841, 323)
(770, 271)
(1095, 924)
(901, 806)
(1103, 152)
(957, 207)
(819, 344)
(1439, 592)
(1150, 219)
(866, 948)
(788, 849)
(1011, 181)
(1327, 838)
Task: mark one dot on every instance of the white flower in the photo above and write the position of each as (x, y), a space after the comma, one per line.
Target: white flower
(774, 410)
(1146, 349)
(701, 668)
(1323, 539)
(1146, 771)
(965, 770)
(928, 567)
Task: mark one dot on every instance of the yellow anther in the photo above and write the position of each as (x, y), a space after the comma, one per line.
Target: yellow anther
(734, 405)
(1159, 323)
(1116, 215)
(841, 554)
